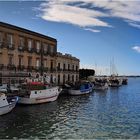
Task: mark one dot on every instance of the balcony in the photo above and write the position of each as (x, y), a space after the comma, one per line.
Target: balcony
(1, 66)
(52, 54)
(11, 67)
(59, 69)
(10, 46)
(21, 48)
(45, 69)
(1, 44)
(21, 67)
(38, 51)
(30, 68)
(30, 50)
(52, 69)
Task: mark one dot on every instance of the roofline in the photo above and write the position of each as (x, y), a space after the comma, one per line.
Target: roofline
(26, 31)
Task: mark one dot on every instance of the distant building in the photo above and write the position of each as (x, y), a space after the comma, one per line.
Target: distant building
(24, 52)
(67, 68)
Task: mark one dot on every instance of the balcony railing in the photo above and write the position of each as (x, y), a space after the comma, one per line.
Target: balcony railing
(1, 44)
(11, 67)
(21, 67)
(21, 48)
(38, 51)
(10, 46)
(1, 66)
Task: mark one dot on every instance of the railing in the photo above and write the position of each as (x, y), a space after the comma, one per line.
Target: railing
(21, 67)
(11, 67)
(1, 44)
(10, 46)
(21, 48)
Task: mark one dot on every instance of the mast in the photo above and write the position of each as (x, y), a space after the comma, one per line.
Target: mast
(42, 64)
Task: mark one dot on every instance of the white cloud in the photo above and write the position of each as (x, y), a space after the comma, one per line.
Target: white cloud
(92, 30)
(62, 11)
(136, 48)
(135, 25)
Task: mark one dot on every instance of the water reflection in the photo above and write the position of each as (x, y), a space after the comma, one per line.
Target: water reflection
(111, 114)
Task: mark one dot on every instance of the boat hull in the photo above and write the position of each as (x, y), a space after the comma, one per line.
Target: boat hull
(79, 92)
(26, 100)
(48, 95)
(6, 109)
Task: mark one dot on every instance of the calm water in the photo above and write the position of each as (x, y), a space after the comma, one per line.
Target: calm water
(111, 114)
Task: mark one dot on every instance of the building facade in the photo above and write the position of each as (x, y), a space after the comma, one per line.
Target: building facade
(67, 68)
(26, 52)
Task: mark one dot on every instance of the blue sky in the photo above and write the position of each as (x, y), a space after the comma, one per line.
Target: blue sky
(96, 32)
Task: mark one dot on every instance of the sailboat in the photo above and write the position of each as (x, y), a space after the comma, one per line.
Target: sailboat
(114, 80)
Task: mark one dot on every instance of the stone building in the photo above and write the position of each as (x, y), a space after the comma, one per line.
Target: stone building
(67, 68)
(24, 52)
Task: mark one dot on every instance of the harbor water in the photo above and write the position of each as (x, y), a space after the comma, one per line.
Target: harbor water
(114, 113)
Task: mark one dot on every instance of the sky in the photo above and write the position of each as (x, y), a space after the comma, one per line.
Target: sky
(101, 33)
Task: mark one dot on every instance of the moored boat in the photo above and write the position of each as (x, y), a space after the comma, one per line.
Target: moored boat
(100, 84)
(7, 103)
(80, 89)
(37, 92)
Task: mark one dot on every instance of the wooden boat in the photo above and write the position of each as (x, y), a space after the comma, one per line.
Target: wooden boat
(37, 92)
(6, 103)
(84, 88)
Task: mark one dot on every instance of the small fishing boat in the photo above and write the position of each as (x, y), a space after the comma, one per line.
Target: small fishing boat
(80, 89)
(38, 92)
(7, 103)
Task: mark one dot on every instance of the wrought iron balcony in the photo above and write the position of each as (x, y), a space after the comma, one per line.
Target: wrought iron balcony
(21, 48)
(1, 66)
(21, 67)
(11, 67)
(10, 46)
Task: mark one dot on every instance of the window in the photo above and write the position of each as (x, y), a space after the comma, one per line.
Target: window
(72, 78)
(21, 41)
(76, 68)
(68, 77)
(29, 45)
(64, 79)
(0, 39)
(10, 40)
(58, 79)
(11, 60)
(76, 77)
(29, 61)
(72, 67)
(58, 66)
(37, 63)
(0, 36)
(51, 49)
(64, 66)
(68, 66)
(45, 63)
(45, 47)
(51, 65)
(38, 46)
(20, 60)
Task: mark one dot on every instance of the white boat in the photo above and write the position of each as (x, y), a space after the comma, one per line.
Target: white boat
(41, 95)
(7, 104)
(84, 88)
(100, 84)
(115, 82)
